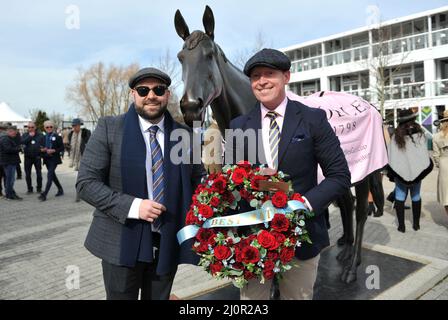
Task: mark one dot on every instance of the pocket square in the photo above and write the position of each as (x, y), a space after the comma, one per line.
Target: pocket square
(298, 138)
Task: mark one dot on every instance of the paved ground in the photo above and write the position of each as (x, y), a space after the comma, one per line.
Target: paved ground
(41, 244)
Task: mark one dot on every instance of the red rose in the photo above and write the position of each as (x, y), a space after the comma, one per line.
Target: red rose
(267, 240)
(248, 275)
(286, 255)
(255, 181)
(279, 237)
(238, 254)
(298, 197)
(238, 175)
(244, 164)
(238, 266)
(272, 255)
(222, 252)
(250, 255)
(245, 194)
(206, 236)
(268, 274)
(279, 199)
(205, 211)
(216, 267)
(202, 247)
(228, 197)
(269, 265)
(280, 223)
(191, 218)
(214, 202)
(219, 185)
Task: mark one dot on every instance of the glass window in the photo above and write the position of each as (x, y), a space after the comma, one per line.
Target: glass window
(407, 29)
(419, 73)
(346, 43)
(360, 39)
(313, 51)
(420, 26)
(306, 53)
(396, 31)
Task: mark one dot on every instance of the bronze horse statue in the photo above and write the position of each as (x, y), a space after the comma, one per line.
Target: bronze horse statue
(211, 79)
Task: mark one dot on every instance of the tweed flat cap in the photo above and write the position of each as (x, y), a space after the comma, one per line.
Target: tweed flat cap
(149, 73)
(270, 58)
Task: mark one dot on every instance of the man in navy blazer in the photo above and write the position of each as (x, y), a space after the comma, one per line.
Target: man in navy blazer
(141, 196)
(294, 139)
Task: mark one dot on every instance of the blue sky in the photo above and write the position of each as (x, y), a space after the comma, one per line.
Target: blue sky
(39, 55)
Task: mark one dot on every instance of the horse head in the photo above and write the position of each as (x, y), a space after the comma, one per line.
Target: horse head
(200, 70)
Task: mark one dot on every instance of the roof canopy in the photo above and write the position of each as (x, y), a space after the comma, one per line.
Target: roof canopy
(8, 115)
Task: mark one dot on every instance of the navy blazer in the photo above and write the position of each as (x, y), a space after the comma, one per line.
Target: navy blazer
(307, 140)
(58, 145)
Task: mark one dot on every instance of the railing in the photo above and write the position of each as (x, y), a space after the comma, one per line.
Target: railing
(405, 91)
(363, 93)
(440, 87)
(400, 45)
(306, 64)
(347, 56)
(440, 37)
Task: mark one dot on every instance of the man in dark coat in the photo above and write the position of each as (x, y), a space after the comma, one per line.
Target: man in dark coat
(141, 196)
(32, 141)
(51, 149)
(9, 159)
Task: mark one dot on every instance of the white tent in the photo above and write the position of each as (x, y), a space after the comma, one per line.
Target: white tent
(9, 115)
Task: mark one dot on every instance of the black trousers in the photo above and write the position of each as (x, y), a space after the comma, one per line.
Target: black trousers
(2, 178)
(37, 163)
(19, 171)
(125, 283)
(51, 177)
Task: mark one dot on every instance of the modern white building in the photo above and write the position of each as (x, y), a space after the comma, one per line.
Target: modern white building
(412, 51)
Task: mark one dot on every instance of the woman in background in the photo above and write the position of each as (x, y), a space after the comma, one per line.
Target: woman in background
(440, 147)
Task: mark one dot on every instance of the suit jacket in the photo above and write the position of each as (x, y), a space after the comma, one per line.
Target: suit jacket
(307, 140)
(99, 183)
(58, 145)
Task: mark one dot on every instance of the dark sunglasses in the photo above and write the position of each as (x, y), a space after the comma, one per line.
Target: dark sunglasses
(48, 127)
(144, 91)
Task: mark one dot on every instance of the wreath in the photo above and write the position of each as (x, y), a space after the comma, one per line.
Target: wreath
(256, 244)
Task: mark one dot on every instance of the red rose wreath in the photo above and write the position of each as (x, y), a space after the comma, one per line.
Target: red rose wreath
(260, 250)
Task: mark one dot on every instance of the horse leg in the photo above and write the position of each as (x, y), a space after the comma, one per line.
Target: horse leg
(345, 204)
(376, 188)
(362, 191)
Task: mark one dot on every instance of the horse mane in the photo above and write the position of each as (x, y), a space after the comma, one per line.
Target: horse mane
(196, 37)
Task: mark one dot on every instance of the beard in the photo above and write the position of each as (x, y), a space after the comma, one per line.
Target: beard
(150, 114)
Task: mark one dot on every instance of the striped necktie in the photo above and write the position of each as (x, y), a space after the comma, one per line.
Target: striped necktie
(274, 137)
(158, 183)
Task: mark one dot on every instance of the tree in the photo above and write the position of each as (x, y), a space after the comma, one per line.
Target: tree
(259, 43)
(39, 120)
(57, 118)
(101, 91)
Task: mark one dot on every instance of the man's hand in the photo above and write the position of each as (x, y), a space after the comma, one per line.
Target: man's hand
(150, 210)
(51, 151)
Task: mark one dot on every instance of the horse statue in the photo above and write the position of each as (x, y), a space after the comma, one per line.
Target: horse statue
(211, 79)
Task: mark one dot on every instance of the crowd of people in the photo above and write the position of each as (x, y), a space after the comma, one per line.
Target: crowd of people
(38, 149)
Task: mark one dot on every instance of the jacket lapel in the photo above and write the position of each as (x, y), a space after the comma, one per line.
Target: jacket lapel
(254, 122)
(290, 123)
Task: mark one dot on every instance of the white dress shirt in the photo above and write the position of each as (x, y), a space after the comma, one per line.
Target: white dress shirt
(265, 125)
(160, 136)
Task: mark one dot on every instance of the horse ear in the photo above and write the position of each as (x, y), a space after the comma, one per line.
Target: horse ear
(181, 26)
(209, 22)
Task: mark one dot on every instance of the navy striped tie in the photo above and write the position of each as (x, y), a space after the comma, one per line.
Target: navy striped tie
(274, 137)
(158, 183)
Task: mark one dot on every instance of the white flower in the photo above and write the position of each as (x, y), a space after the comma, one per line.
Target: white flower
(301, 223)
(298, 243)
(276, 270)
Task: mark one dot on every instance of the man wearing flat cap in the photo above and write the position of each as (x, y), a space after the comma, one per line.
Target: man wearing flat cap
(295, 139)
(141, 197)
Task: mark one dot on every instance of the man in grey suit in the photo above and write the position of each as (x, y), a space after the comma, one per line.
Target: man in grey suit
(141, 197)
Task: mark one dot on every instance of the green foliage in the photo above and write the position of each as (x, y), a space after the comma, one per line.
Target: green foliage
(40, 119)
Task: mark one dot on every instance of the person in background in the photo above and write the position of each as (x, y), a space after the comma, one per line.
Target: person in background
(32, 141)
(78, 139)
(51, 149)
(440, 155)
(9, 159)
(2, 172)
(409, 163)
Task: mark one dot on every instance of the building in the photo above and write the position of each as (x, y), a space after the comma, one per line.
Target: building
(410, 54)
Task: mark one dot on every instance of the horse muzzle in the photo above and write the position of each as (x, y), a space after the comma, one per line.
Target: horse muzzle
(192, 110)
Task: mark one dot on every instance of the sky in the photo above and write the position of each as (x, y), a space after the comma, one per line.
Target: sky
(43, 43)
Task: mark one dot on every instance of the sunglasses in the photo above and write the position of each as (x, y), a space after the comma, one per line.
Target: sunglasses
(48, 127)
(144, 91)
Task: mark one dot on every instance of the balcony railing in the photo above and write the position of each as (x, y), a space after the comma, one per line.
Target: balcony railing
(440, 38)
(405, 91)
(363, 93)
(307, 64)
(347, 56)
(401, 45)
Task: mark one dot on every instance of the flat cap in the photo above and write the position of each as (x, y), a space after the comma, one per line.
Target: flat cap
(76, 122)
(270, 58)
(149, 73)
